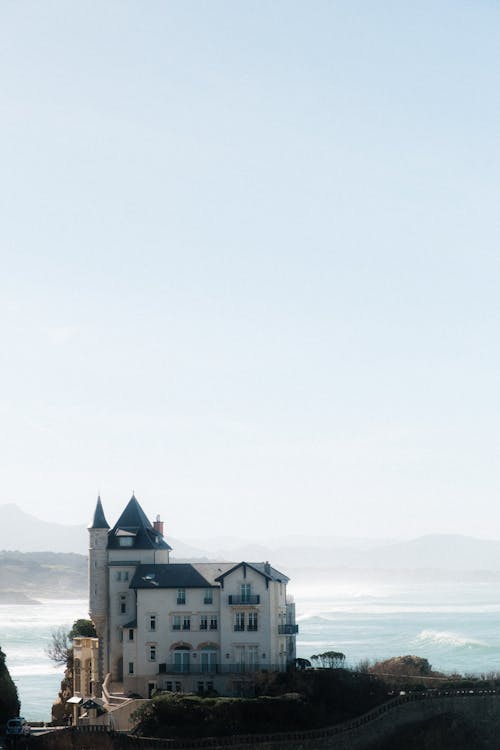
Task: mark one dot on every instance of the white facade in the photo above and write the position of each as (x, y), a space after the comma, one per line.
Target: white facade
(180, 626)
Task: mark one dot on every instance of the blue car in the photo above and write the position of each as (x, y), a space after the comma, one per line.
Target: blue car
(17, 727)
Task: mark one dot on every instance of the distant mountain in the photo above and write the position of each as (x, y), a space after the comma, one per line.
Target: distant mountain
(26, 533)
(434, 551)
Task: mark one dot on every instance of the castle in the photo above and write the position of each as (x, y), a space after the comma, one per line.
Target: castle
(184, 627)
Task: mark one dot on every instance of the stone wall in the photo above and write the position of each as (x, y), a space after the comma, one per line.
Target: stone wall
(458, 722)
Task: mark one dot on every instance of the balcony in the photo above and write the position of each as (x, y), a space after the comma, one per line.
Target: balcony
(248, 599)
(288, 629)
(227, 668)
(208, 600)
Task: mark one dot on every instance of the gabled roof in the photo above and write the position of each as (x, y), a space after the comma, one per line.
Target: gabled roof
(263, 568)
(169, 576)
(99, 520)
(133, 522)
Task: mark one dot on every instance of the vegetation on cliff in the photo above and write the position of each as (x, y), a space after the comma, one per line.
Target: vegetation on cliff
(9, 701)
(284, 701)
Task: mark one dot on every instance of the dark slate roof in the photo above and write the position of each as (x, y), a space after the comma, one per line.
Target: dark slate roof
(264, 569)
(170, 576)
(99, 520)
(134, 522)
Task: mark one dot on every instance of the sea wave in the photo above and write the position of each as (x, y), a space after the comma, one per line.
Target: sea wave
(448, 639)
(29, 670)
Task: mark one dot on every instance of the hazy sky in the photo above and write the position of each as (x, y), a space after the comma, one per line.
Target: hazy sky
(251, 264)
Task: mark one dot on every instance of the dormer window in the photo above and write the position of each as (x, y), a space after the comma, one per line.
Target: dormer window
(126, 541)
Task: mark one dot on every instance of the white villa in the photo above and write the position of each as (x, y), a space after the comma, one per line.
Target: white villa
(185, 627)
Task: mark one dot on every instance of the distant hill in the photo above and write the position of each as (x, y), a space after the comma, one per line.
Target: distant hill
(434, 551)
(25, 577)
(25, 533)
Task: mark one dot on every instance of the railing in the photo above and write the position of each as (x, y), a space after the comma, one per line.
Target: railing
(228, 668)
(248, 599)
(288, 629)
(208, 600)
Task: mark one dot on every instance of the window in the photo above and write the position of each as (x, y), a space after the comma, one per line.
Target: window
(168, 686)
(178, 687)
(126, 541)
(209, 661)
(181, 596)
(123, 604)
(152, 653)
(131, 667)
(209, 597)
(253, 656)
(131, 634)
(186, 623)
(203, 622)
(252, 621)
(176, 622)
(213, 622)
(125, 575)
(239, 621)
(181, 660)
(119, 575)
(152, 622)
(201, 688)
(245, 592)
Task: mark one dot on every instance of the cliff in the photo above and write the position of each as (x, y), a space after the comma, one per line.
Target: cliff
(9, 702)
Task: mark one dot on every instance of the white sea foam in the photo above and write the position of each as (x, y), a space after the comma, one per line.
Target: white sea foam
(447, 638)
(28, 670)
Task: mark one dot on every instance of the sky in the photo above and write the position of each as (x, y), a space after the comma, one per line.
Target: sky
(250, 264)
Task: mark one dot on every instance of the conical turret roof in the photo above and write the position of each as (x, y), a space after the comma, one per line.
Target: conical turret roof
(99, 520)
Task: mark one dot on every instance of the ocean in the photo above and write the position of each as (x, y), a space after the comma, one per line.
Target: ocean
(456, 626)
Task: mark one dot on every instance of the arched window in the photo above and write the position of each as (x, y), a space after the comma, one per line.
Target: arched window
(76, 676)
(182, 659)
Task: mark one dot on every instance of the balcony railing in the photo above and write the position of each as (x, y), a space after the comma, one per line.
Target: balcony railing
(248, 599)
(288, 629)
(208, 600)
(227, 668)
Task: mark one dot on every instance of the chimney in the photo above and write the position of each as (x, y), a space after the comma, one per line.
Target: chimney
(267, 567)
(158, 525)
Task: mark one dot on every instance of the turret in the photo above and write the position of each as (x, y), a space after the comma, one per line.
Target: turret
(98, 577)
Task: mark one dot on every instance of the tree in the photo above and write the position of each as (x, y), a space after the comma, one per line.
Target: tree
(302, 663)
(60, 649)
(329, 659)
(82, 628)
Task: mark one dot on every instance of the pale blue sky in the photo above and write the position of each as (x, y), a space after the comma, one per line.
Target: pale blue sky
(250, 264)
